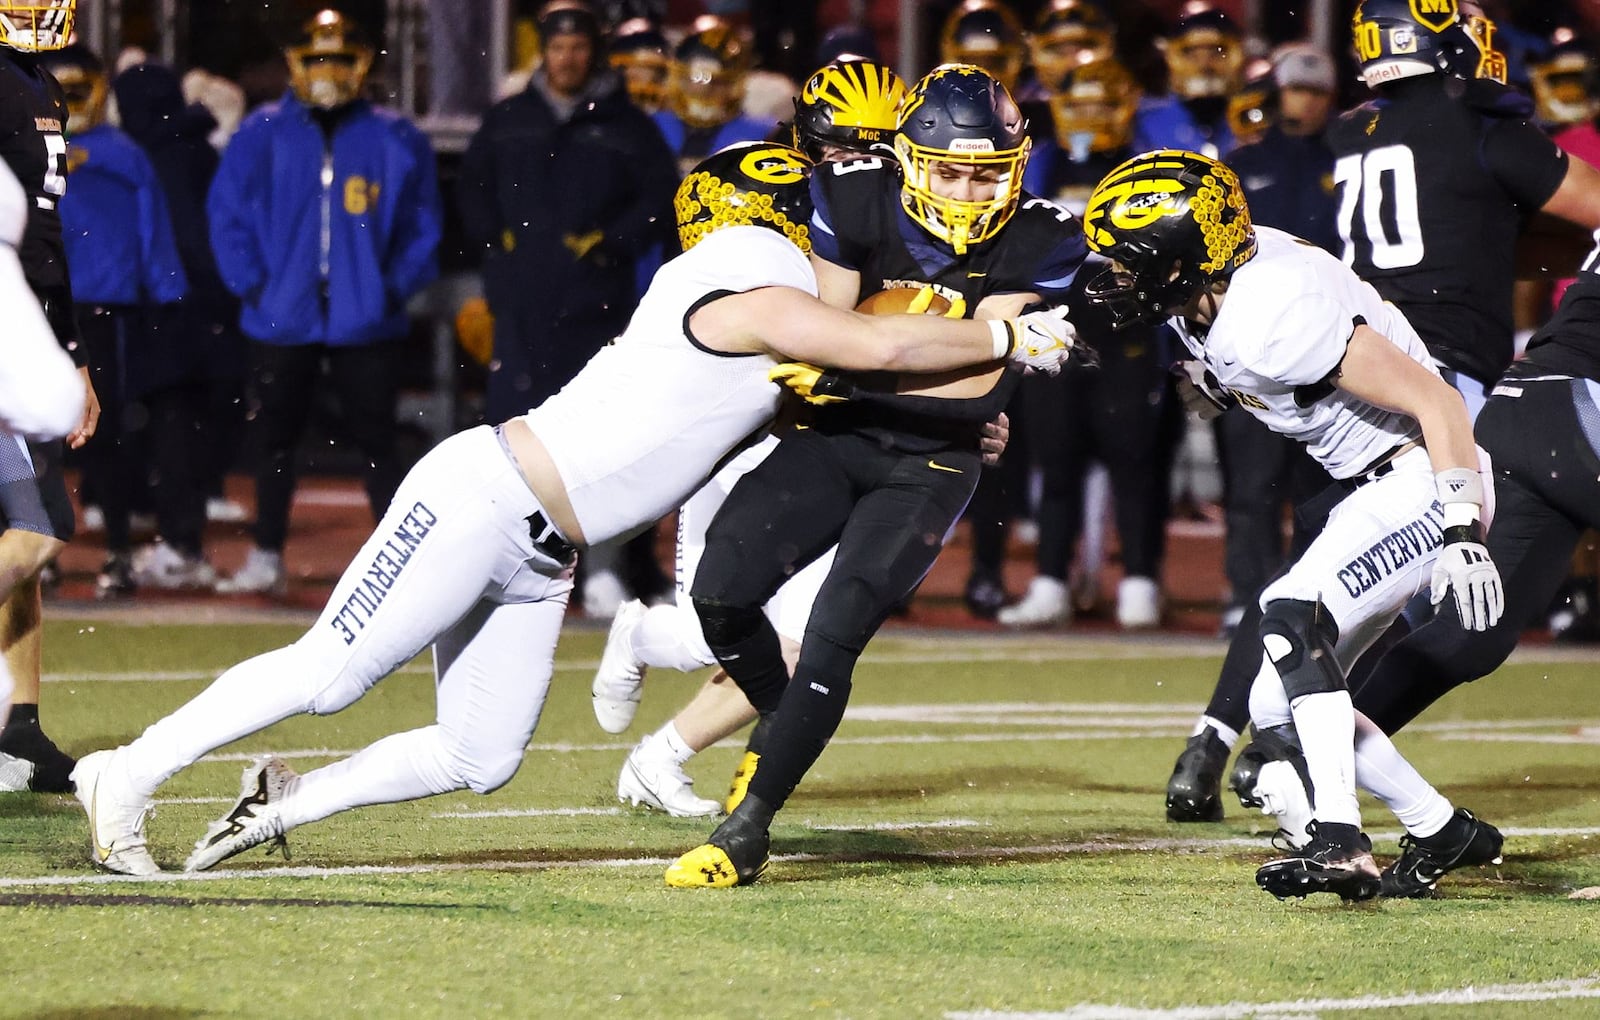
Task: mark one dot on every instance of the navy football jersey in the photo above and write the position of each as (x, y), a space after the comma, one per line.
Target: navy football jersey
(33, 114)
(1436, 179)
(859, 224)
(1569, 343)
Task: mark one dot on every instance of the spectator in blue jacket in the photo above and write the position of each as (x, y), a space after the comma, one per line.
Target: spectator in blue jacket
(325, 220)
(126, 270)
(190, 378)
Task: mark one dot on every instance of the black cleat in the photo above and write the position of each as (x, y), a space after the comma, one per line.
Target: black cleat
(1194, 793)
(28, 754)
(1463, 843)
(984, 595)
(1337, 860)
(1275, 743)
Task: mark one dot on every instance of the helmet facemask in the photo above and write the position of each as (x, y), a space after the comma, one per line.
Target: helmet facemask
(1093, 110)
(37, 27)
(1564, 88)
(86, 93)
(330, 68)
(1204, 63)
(958, 222)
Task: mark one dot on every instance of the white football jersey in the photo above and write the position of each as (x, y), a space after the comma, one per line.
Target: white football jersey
(651, 415)
(13, 207)
(1283, 329)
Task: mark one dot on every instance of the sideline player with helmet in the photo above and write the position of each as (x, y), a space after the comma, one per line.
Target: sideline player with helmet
(638, 51)
(986, 34)
(849, 108)
(705, 93)
(35, 512)
(877, 471)
(1437, 177)
(1315, 353)
(1122, 414)
(474, 557)
(1205, 66)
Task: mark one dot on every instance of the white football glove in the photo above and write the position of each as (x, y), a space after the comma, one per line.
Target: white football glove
(1042, 340)
(1201, 393)
(1464, 566)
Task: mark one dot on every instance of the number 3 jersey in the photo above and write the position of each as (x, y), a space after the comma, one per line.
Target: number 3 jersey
(33, 111)
(1436, 179)
(1277, 343)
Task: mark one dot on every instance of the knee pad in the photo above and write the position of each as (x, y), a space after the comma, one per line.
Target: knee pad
(724, 625)
(1299, 639)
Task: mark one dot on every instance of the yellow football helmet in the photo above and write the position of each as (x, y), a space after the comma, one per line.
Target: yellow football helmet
(1205, 56)
(1067, 34)
(37, 27)
(852, 104)
(82, 76)
(960, 116)
(987, 34)
(1093, 108)
(706, 87)
(1254, 107)
(328, 67)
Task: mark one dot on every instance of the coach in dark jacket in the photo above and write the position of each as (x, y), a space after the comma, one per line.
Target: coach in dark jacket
(563, 186)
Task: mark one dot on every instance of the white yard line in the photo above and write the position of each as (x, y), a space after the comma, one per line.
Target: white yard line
(1544, 991)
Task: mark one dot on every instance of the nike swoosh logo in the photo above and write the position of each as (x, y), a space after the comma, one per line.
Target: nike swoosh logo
(976, 276)
(941, 467)
(102, 853)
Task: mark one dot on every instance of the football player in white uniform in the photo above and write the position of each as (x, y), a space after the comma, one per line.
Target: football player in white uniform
(475, 555)
(41, 392)
(1294, 336)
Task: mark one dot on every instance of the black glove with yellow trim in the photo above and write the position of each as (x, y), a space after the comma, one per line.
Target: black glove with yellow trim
(812, 384)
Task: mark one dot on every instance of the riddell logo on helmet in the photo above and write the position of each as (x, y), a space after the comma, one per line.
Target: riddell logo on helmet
(972, 145)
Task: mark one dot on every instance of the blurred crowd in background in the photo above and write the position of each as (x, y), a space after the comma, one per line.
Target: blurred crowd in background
(342, 256)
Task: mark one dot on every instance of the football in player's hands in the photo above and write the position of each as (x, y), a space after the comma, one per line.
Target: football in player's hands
(912, 301)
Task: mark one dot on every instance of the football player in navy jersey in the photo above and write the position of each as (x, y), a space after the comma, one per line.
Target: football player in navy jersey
(880, 472)
(1437, 177)
(35, 512)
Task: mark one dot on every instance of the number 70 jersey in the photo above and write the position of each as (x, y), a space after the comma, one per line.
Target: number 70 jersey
(1434, 181)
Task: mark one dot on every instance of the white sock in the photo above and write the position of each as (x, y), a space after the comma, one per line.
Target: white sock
(669, 637)
(249, 697)
(6, 685)
(1383, 771)
(1227, 734)
(670, 741)
(1326, 724)
(404, 766)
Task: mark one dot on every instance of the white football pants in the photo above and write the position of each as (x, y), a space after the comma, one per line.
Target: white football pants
(452, 564)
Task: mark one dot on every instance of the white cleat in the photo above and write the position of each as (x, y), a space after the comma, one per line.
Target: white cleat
(116, 817)
(261, 574)
(1047, 603)
(620, 679)
(253, 819)
(653, 782)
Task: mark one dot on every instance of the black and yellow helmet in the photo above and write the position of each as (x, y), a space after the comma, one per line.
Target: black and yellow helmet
(1397, 39)
(707, 83)
(1566, 83)
(328, 66)
(38, 26)
(1173, 222)
(987, 34)
(83, 79)
(960, 114)
(639, 53)
(1254, 107)
(853, 104)
(761, 184)
(1093, 108)
(1067, 35)
(1205, 55)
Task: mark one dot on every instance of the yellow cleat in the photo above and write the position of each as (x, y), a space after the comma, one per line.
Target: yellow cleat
(709, 867)
(741, 781)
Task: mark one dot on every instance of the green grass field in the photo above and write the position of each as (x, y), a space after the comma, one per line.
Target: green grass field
(985, 837)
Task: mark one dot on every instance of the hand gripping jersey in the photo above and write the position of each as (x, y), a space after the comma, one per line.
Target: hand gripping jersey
(1282, 332)
(1436, 179)
(859, 224)
(652, 415)
(33, 111)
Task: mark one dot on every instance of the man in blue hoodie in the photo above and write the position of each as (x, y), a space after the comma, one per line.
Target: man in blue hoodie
(325, 221)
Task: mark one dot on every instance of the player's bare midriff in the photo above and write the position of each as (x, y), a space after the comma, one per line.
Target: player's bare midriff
(539, 471)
